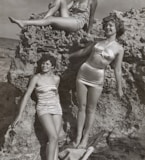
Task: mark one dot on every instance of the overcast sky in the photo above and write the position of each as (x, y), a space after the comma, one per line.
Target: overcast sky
(22, 9)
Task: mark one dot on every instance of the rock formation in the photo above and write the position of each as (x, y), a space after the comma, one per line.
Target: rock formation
(119, 125)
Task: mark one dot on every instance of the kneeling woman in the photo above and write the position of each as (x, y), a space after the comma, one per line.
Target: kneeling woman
(48, 107)
(90, 78)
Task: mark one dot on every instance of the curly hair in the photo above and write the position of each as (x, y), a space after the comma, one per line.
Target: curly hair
(119, 25)
(44, 58)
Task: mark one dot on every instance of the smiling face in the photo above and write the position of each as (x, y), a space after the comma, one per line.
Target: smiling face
(110, 29)
(46, 66)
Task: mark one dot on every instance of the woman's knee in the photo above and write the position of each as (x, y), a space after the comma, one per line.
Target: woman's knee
(82, 107)
(91, 109)
(53, 138)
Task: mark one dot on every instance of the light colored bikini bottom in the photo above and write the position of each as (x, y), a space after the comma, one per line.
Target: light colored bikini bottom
(91, 76)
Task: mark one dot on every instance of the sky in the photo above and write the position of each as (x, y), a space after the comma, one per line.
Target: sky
(22, 9)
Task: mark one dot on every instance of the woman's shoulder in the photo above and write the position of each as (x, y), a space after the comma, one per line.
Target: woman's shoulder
(35, 77)
(56, 78)
(120, 47)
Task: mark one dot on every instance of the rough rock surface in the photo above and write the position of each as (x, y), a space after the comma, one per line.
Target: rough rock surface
(119, 129)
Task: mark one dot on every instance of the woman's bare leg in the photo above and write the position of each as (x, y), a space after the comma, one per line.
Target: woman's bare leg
(62, 23)
(59, 5)
(16, 21)
(64, 9)
(82, 97)
(50, 129)
(55, 7)
(58, 124)
(92, 99)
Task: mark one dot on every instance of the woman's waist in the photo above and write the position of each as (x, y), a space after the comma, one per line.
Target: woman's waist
(47, 98)
(47, 101)
(87, 69)
(96, 64)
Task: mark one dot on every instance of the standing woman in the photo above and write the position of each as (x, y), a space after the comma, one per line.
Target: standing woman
(48, 106)
(90, 78)
(84, 11)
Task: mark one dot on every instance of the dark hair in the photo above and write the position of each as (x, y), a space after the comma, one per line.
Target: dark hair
(44, 58)
(118, 24)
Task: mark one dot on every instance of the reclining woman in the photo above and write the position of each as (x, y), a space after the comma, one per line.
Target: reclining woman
(83, 14)
(90, 78)
(48, 106)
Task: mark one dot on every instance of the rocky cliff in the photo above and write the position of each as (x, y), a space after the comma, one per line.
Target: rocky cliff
(119, 128)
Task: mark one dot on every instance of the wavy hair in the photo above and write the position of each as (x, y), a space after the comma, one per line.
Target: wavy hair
(119, 25)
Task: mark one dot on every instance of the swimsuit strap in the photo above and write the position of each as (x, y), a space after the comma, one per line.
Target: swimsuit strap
(103, 47)
(103, 53)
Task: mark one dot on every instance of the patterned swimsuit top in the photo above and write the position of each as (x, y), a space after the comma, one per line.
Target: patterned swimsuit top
(105, 51)
(78, 8)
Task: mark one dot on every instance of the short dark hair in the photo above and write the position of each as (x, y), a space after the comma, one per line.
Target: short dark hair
(44, 58)
(118, 24)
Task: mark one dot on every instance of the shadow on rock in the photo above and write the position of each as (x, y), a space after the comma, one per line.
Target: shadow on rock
(8, 107)
(121, 149)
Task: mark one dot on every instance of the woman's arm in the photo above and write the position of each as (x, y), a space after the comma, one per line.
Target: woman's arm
(118, 71)
(57, 79)
(27, 95)
(82, 52)
(94, 4)
(70, 4)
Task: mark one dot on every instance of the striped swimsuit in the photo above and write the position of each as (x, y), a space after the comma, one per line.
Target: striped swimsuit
(48, 100)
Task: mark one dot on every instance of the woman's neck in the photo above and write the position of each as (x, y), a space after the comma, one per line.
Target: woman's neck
(111, 38)
(50, 73)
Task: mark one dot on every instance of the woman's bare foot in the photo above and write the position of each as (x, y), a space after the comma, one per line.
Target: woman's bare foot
(77, 142)
(74, 145)
(83, 144)
(18, 22)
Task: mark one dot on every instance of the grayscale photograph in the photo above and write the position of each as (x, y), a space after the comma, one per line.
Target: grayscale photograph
(72, 80)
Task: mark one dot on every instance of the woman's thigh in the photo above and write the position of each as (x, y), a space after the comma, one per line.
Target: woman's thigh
(63, 23)
(57, 119)
(93, 96)
(64, 9)
(81, 93)
(48, 124)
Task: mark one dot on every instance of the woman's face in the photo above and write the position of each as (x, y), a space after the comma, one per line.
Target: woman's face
(110, 29)
(46, 66)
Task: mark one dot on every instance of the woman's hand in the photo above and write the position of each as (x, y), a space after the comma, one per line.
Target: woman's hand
(120, 93)
(17, 120)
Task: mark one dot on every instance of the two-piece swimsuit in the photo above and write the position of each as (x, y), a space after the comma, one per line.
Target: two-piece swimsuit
(91, 75)
(48, 100)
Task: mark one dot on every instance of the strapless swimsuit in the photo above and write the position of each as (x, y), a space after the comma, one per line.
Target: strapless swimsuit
(48, 100)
